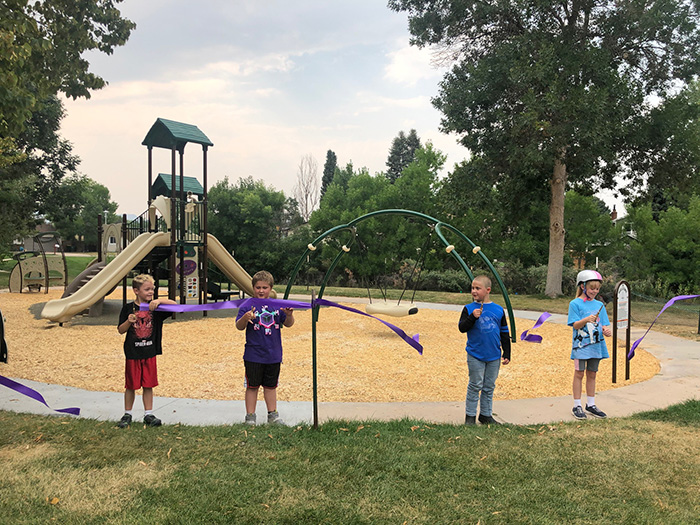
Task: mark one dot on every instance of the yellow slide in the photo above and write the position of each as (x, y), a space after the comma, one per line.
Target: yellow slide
(61, 310)
(227, 264)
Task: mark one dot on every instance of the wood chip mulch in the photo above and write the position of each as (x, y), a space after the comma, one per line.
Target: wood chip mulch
(359, 359)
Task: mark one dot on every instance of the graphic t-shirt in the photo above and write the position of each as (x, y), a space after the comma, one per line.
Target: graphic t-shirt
(144, 337)
(484, 338)
(263, 338)
(588, 341)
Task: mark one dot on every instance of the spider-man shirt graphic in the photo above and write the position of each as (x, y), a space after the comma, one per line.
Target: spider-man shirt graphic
(143, 340)
(143, 327)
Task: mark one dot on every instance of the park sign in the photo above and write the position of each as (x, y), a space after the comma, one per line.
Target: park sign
(621, 321)
(622, 301)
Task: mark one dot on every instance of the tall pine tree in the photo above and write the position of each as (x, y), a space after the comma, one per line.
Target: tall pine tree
(402, 153)
(328, 170)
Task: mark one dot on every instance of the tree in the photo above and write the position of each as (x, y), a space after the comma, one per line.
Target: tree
(250, 220)
(47, 156)
(28, 183)
(502, 215)
(328, 171)
(664, 252)
(306, 188)
(560, 85)
(381, 242)
(402, 153)
(666, 162)
(589, 229)
(74, 208)
(41, 48)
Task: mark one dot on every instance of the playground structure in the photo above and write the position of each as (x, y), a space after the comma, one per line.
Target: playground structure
(36, 269)
(169, 240)
(350, 229)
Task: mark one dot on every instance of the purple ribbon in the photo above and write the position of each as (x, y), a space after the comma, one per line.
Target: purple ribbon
(534, 338)
(630, 355)
(29, 392)
(282, 303)
(413, 341)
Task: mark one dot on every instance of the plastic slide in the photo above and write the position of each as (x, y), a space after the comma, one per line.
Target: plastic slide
(227, 264)
(61, 310)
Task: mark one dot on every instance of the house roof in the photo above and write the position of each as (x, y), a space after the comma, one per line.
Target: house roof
(170, 134)
(163, 185)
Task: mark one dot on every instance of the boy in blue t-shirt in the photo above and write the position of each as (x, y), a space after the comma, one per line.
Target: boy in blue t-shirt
(485, 324)
(263, 348)
(589, 320)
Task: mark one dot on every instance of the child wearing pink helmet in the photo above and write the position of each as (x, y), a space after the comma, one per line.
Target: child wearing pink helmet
(589, 320)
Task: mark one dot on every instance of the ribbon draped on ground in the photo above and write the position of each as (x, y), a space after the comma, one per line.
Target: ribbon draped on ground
(534, 338)
(282, 303)
(630, 354)
(29, 392)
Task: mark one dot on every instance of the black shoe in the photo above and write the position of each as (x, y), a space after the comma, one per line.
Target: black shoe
(470, 420)
(125, 421)
(578, 412)
(595, 411)
(152, 421)
(487, 420)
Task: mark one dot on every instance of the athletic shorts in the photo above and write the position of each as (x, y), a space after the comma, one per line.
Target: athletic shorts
(587, 364)
(265, 374)
(141, 373)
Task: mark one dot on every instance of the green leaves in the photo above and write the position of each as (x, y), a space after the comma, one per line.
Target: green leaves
(41, 44)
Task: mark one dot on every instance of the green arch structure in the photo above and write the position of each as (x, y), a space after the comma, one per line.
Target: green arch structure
(441, 228)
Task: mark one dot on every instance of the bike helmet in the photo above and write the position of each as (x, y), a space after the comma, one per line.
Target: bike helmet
(588, 275)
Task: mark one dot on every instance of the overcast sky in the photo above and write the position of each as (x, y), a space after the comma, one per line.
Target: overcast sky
(267, 81)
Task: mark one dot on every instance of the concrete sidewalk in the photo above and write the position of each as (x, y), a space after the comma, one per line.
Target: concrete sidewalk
(678, 381)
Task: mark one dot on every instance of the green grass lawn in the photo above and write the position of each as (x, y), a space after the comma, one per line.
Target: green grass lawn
(642, 469)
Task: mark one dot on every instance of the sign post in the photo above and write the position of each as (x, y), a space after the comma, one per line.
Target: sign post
(621, 321)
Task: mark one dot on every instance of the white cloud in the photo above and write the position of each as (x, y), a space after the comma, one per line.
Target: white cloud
(410, 64)
(265, 89)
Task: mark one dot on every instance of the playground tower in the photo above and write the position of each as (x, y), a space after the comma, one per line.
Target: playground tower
(184, 214)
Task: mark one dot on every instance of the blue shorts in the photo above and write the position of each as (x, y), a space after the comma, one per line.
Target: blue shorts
(587, 364)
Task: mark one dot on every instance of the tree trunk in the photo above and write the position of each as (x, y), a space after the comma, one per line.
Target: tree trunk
(556, 230)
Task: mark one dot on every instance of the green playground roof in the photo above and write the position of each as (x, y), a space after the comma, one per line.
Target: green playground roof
(163, 185)
(169, 134)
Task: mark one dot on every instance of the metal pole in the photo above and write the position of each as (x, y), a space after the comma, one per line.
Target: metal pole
(181, 213)
(314, 372)
(100, 231)
(614, 335)
(204, 233)
(629, 327)
(124, 241)
(173, 227)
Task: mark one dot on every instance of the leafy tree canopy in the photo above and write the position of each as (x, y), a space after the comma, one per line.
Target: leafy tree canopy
(664, 250)
(41, 47)
(381, 243)
(402, 153)
(74, 207)
(589, 229)
(556, 84)
(250, 220)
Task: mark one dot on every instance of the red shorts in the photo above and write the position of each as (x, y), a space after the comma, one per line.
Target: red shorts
(141, 373)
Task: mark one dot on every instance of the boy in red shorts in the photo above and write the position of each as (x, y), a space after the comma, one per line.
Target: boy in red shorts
(144, 333)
